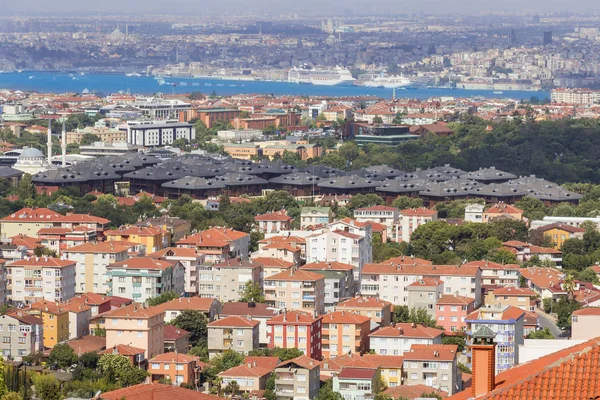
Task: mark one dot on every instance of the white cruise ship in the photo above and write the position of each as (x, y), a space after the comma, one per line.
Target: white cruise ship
(388, 82)
(325, 77)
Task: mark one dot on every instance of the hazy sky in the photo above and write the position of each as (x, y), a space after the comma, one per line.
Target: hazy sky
(318, 7)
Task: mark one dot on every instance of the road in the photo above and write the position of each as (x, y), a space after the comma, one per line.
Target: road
(546, 321)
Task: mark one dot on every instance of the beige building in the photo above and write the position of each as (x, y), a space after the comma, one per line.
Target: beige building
(40, 278)
(104, 135)
(208, 306)
(523, 298)
(380, 311)
(27, 222)
(297, 379)
(136, 325)
(250, 376)
(225, 280)
(296, 290)
(434, 366)
(345, 333)
(584, 323)
(232, 333)
(424, 293)
(189, 258)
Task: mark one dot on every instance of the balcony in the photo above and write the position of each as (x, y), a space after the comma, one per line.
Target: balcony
(284, 392)
(137, 284)
(285, 377)
(308, 297)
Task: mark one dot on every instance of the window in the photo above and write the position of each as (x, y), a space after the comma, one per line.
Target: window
(441, 308)
(115, 321)
(22, 340)
(140, 334)
(240, 332)
(290, 339)
(155, 366)
(445, 365)
(179, 367)
(140, 322)
(302, 340)
(119, 333)
(240, 343)
(166, 367)
(301, 329)
(393, 373)
(441, 318)
(414, 376)
(444, 377)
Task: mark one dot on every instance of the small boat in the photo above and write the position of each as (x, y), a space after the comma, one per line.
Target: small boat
(498, 92)
(31, 76)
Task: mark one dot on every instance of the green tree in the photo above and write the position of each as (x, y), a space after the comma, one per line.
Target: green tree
(377, 120)
(3, 388)
(401, 314)
(564, 309)
(26, 189)
(270, 387)
(463, 368)
(252, 292)
(12, 396)
(364, 200)
(281, 353)
(326, 392)
(63, 355)
(193, 321)
(163, 298)
(403, 202)
(458, 340)
(398, 118)
(89, 138)
(232, 387)
(588, 275)
(118, 368)
(541, 334)
(47, 387)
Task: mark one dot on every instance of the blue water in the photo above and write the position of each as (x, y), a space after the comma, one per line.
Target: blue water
(107, 84)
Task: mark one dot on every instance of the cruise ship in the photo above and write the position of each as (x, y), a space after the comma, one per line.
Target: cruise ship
(388, 82)
(325, 77)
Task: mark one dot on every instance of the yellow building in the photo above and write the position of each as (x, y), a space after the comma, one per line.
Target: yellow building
(27, 221)
(153, 238)
(56, 321)
(558, 234)
(390, 368)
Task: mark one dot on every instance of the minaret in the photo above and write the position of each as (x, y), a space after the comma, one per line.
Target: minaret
(64, 145)
(49, 144)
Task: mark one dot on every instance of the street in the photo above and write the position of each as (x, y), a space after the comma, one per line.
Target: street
(546, 321)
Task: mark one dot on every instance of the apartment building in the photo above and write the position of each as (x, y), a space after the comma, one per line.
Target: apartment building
(345, 333)
(497, 274)
(232, 333)
(357, 383)
(27, 222)
(81, 222)
(40, 278)
(424, 294)
(390, 368)
(364, 229)
(507, 323)
(55, 319)
(523, 298)
(290, 240)
(542, 280)
(141, 278)
(224, 281)
(435, 366)
(250, 376)
(502, 210)
(397, 339)
(177, 368)
(153, 238)
(339, 281)
(451, 312)
(272, 266)
(315, 216)
(136, 325)
(177, 228)
(390, 280)
(3, 279)
(296, 290)
(272, 222)
(558, 233)
(584, 323)
(281, 251)
(380, 311)
(385, 215)
(176, 340)
(410, 220)
(297, 379)
(296, 329)
(206, 305)
(215, 238)
(22, 335)
(92, 260)
(260, 312)
(189, 259)
(60, 239)
(79, 318)
(340, 246)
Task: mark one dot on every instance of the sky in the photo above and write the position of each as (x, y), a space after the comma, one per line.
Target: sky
(305, 7)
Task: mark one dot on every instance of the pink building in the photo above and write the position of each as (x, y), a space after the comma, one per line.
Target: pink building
(451, 311)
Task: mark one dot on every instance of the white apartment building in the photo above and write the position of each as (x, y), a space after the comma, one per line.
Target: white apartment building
(385, 215)
(390, 281)
(40, 278)
(296, 290)
(340, 246)
(159, 134)
(395, 340)
(190, 260)
(410, 220)
(224, 281)
(575, 96)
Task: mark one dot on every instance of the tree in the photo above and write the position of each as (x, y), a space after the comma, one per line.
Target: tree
(564, 309)
(252, 292)
(270, 387)
(193, 321)
(569, 287)
(403, 203)
(47, 387)
(398, 118)
(402, 314)
(541, 334)
(232, 387)
(281, 353)
(163, 298)
(377, 120)
(458, 340)
(89, 138)
(12, 396)
(3, 388)
(463, 368)
(326, 392)
(89, 360)
(63, 355)
(364, 200)
(26, 189)
(118, 368)
(588, 275)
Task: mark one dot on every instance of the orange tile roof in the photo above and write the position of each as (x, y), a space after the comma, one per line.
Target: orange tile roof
(502, 208)
(569, 374)
(406, 260)
(542, 277)
(407, 330)
(418, 212)
(156, 391)
(292, 318)
(183, 252)
(564, 227)
(173, 333)
(587, 311)
(143, 263)
(286, 239)
(484, 265)
(427, 282)
(420, 270)
(173, 358)
(134, 310)
(460, 300)
(246, 370)
(124, 350)
(363, 302)
(328, 265)
(235, 321)
(411, 392)
(514, 291)
(26, 241)
(33, 215)
(49, 307)
(188, 303)
(377, 208)
(302, 361)
(275, 216)
(444, 352)
(83, 218)
(86, 344)
(378, 360)
(296, 275)
(265, 362)
(282, 246)
(344, 317)
(135, 230)
(347, 234)
(508, 313)
(272, 262)
(45, 262)
(100, 247)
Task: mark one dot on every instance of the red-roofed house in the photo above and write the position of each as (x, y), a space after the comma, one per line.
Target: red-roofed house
(296, 290)
(272, 222)
(434, 366)
(380, 311)
(232, 333)
(27, 221)
(523, 298)
(209, 306)
(502, 210)
(237, 242)
(584, 323)
(298, 378)
(189, 258)
(176, 339)
(542, 280)
(249, 376)
(176, 368)
(155, 391)
(410, 220)
(412, 392)
(396, 339)
(357, 383)
(385, 215)
(153, 238)
(296, 329)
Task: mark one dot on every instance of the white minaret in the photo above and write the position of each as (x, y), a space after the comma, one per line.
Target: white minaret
(64, 145)
(49, 144)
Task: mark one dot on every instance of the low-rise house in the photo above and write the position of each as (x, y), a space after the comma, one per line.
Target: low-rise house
(79, 318)
(424, 294)
(136, 355)
(232, 333)
(296, 329)
(27, 221)
(527, 251)
(380, 311)
(279, 240)
(272, 222)
(435, 366)
(176, 339)
(386, 215)
(22, 335)
(177, 228)
(390, 368)
(87, 344)
(523, 298)
(260, 312)
(531, 323)
(249, 376)
(189, 259)
(497, 274)
(410, 220)
(339, 281)
(584, 323)
(146, 391)
(297, 379)
(397, 339)
(315, 216)
(451, 312)
(296, 290)
(357, 383)
(206, 305)
(153, 238)
(502, 210)
(238, 242)
(558, 233)
(345, 333)
(542, 280)
(175, 368)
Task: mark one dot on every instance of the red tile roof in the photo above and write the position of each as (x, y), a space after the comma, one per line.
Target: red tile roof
(235, 321)
(459, 300)
(411, 392)
(188, 303)
(100, 247)
(275, 216)
(87, 344)
(425, 212)
(265, 362)
(29, 215)
(344, 317)
(292, 318)
(173, 358)
(420, 270)
(514, 291)
(143, 263)
(407, 330)
(378, 208)
(183, 252)
(258, 310)
(302, 361)
(156, 391)
(564, 227)
(542, 277)
(123, 350)
(502, 208)
(587, 311)
(377, 360)
(134, 310)
(443, 352)
(135, 230)
(296, 275)
(173, 333)
(427, 282)
(246, 369)
(363, 302)
(357, 373)
(83, 219)
(272, 262)
(330, 265)
(46, 262)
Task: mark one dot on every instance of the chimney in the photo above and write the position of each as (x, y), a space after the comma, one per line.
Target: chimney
(483, 362)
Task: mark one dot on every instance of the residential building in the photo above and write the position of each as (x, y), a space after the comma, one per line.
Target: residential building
(390, 280)
(137, 325)
(542, 280)
(232, 333)
(357, 383)
(386, 215)
(250, 376)
(55, 319)
(27, 222)
(451, 312)
(177, 340)
(272, 266)
(209, 306)
(260, 312)
(315, 216)
(424, 294)
(345, 333)
(213, 238)
(410, 220)
(297, 379)
(435, 366)
(82, 222)
(135, 355)
(272, 222)
(92, 260)
(22, 335)
(87, 344)
(281, 251)
(141, 278)
(523, 298)
(497, 274)
(3, 279)
(296, 290)
(176, 227)
(289, 240)
(507, 324)
(474, 212)
(189, 259)
(147, 391)
(397, 339)
(390, 368)
(558, 233)
(502, 210)
(79, 318)
(175, 368)
(531, 323)
(364, 229)
(380, 311)
(40, 278)
(584, 323)
(296, 329)
(224, 281)
(159, 134)
(412, 392)
(526, 251)
(339, 281)
(98, 303)
(153, 238)
(60, 239)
